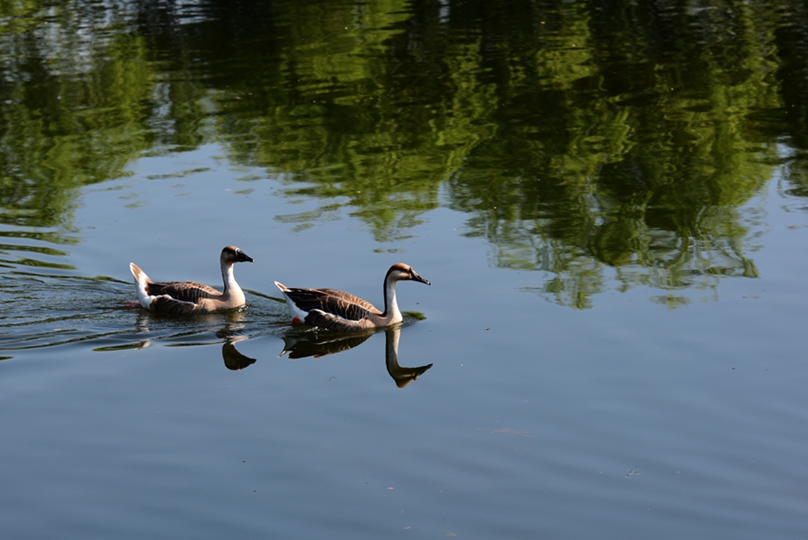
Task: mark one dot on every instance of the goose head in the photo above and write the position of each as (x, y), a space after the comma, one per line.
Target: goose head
(232, 255)
(404, 272)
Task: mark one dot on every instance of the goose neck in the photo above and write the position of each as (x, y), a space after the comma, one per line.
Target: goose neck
(391, 311)
(229, 278)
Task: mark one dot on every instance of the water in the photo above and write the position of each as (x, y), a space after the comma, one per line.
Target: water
(612, 220)
(640, 418)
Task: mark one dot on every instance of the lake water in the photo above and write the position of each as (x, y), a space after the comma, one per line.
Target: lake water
(610, 205)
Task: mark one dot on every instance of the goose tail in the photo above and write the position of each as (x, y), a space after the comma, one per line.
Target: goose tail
(142, 285)
(297, 314)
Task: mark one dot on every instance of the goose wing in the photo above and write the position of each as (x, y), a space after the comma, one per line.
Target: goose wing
(167, 304)
(186, 291)
(317, 317)
(339, 303)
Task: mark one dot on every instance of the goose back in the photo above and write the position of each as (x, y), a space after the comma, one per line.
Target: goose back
(332, 301)
(187, 291)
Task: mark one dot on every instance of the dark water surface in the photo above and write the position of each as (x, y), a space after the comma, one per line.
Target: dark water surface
(608, 198)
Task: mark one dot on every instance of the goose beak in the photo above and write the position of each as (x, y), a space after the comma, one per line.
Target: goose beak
(415, 277)
(243, 257)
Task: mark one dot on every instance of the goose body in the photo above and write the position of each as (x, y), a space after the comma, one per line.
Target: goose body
(344, 312)
(189, 296)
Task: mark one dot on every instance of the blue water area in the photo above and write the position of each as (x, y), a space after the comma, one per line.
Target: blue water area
(607, 198)
(631, 419)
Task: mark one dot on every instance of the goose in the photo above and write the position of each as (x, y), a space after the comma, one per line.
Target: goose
(344, 312)
(191, 297)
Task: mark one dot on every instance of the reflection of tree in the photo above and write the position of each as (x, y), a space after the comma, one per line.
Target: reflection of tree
(577, 137)
(73, 106)
(792, 77)
(646, 166)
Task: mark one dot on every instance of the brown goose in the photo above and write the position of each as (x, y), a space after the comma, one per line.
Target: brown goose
(191, 297)
(343, 312)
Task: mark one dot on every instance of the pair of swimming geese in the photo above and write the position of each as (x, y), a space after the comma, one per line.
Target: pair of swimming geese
(326, 308)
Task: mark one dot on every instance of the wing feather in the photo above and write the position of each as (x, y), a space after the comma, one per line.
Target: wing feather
(186, 291)
(171, 305)
(322, 319)
(339, 303)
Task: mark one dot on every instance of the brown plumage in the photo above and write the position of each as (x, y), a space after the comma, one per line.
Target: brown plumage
(344, 312)
(187, 297)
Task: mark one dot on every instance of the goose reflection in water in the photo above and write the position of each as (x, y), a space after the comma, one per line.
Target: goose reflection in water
(402, 375)
(170, 325)
(316, 344)
(234, 360)
(224, 325)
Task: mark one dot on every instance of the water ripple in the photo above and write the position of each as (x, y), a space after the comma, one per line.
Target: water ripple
(38, 310)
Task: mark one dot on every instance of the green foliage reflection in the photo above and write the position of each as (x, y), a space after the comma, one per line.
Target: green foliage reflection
(578, 137)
